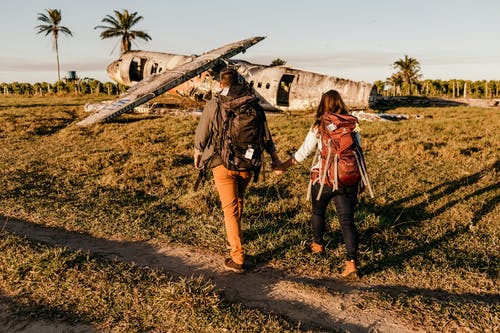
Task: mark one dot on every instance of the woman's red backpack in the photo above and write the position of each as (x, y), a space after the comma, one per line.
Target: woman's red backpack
(342, 161)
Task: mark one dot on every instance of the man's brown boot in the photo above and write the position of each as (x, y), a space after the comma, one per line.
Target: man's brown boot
(351, 271)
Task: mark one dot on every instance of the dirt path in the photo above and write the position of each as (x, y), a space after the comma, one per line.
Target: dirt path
(9, 325)
(265, 288)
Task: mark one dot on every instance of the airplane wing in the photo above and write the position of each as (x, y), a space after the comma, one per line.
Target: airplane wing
(157, 84)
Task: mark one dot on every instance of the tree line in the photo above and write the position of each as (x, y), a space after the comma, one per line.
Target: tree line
(76, 87)
(442, 88)
(406, 81)
(428, 88)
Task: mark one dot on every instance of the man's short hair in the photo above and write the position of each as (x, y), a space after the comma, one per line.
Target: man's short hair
(229, 77)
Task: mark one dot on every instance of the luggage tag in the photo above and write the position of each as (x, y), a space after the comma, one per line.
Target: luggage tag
(331, 127)
(249, 153)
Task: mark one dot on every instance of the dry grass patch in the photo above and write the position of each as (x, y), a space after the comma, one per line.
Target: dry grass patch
(429, 240)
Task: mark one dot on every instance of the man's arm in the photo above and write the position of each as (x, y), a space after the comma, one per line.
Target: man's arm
(269, 145)
(203, 131)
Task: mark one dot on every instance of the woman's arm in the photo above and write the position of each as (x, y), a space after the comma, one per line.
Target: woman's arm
(308, 146)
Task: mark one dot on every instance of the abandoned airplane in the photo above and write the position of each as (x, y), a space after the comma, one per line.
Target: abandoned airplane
(279, 88)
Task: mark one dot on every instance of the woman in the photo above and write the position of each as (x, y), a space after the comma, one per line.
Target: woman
(344, 196)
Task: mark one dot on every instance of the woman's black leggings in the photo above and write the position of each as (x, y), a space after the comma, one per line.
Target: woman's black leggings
(345, 200)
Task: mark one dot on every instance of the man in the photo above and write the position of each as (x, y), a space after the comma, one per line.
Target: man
(231, 179)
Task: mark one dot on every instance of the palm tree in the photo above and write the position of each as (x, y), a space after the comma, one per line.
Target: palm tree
(409, 69)
(120, 25)
(395, 81)
(52, 20)
(278, 62)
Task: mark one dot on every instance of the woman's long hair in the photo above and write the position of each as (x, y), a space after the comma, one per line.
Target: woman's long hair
(331, 102)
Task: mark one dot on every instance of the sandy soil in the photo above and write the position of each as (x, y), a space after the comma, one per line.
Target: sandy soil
(264, 287)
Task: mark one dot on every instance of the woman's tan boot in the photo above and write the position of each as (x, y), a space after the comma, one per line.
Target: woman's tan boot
(351, 271)
(316, 248)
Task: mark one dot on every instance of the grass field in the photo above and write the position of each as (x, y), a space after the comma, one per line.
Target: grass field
(429, 240)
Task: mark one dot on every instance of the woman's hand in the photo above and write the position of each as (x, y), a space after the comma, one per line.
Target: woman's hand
(280, 169)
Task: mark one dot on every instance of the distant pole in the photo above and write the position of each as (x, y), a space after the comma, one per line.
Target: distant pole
(453, 93)
(465, 89)
(486, 89)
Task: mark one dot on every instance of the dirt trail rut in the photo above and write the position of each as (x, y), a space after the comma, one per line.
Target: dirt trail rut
(265, 288)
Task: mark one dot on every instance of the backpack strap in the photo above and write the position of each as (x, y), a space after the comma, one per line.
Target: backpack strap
(336, 172)
(325, 171)
(311, 183)
(364, 174)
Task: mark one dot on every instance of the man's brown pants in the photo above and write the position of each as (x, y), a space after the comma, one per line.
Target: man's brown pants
(231, 186)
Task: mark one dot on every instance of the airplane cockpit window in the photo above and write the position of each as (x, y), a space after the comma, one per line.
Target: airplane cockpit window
(251, 84)
(136, 70)
(259, 84)
(268, 85)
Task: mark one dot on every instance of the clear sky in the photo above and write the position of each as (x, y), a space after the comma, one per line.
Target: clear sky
(353, 39)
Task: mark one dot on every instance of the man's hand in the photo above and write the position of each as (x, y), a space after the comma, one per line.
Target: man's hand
(276, 160)
(276, 164)
(280, 169)
(197, 158)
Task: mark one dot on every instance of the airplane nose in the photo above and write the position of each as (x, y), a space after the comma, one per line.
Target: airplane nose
(113, 71)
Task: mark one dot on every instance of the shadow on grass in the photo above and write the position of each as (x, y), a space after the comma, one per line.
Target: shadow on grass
(440, 296)
(131, 118)
(396, 216)
(43, 129)
(267, 225)
(22, 318)
(48, 104)
(34, 185)
(253, 289)
(384, 103)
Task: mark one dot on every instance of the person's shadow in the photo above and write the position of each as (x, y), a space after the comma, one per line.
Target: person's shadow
(396, 216)
(254, 288)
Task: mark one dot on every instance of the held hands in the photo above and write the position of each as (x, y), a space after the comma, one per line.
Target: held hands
(281, 167)
(276, 161)
(279, 170)
(278, 166)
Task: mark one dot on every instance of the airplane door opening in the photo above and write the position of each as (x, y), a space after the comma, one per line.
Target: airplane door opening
(282, 99)
(136, 71)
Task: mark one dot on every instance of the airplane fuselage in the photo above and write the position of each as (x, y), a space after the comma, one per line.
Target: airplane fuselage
(279, 87)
